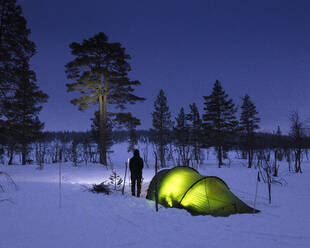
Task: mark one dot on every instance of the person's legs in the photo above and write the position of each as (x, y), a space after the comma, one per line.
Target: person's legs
(138, 186)
(133, 186)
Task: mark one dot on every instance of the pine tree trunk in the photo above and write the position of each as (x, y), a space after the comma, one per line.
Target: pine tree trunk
(289, 160)
(299, 161)
(162, 156)
(103, 124)
(24, 154)
(269, 191)
(296, 159)
(219, 156)
(275, 168)
(196, 153)
(11, 156)
(161, 149)
(249, 158)
(60, 155)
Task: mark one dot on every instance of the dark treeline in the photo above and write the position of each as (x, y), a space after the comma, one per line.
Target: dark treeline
(118, 136)
(263, 140)
(77, 147)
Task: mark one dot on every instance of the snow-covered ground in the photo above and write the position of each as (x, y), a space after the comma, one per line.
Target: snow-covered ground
(33, 218)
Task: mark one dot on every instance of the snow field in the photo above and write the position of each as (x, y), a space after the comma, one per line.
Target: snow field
(88, 220)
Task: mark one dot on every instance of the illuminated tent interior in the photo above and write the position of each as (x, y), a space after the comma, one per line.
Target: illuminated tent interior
(183, 187)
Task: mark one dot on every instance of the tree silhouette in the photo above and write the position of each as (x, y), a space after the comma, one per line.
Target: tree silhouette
(248, 124)
(297, 133)
(100, 71)
(219, 121)
(15, 46)
(22, 123)
(162, 125)
(20, 97)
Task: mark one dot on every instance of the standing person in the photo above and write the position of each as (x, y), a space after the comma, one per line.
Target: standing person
(136, 166)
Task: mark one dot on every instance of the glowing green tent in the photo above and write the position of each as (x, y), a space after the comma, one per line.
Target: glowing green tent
(184, 187)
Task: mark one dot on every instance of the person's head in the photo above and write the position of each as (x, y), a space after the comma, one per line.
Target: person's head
(136, 153)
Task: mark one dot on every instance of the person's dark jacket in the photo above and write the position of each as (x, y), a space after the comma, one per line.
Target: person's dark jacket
(136, 166)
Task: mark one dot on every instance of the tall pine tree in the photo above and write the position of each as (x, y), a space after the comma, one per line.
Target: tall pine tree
(22, 123)
(20, 97)
(100, 71)
(162, 125)
(15, 50)
(248, 124)
(219, 121)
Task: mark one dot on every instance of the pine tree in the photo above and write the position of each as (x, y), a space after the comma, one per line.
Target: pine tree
(182, 137)
(21, 112)
(247, 125)
(162, 125)
(297, 133)
(15, 50)
(100, 71)
(195, 127)
(219, 121)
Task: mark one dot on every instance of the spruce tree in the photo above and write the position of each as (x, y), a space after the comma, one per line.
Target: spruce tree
(100, 71)
(219, 121)
(182, 138)
(161, 125)
(195, 129)
(15, 50)
(248, 124)
(21, 111)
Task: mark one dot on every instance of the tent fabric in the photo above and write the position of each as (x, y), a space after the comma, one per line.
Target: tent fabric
(183, 187)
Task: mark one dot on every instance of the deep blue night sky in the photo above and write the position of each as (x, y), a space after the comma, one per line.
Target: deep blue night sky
(261, 48)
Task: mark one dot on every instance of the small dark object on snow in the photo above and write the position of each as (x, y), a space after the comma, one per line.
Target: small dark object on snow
(100, 188)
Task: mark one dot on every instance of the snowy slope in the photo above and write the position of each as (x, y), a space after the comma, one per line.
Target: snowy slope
(35, 220)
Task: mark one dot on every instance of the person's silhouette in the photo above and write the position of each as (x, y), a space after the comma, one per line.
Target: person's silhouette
(136, 166)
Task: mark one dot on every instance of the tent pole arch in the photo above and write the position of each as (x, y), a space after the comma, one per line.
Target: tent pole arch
(190, 188)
